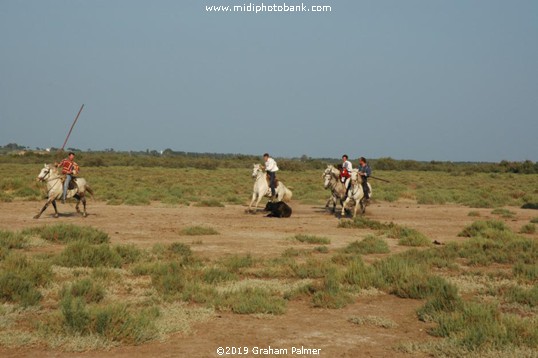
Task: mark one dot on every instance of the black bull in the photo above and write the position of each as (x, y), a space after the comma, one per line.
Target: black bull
(278, 209)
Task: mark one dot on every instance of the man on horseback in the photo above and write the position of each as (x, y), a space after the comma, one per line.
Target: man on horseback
(345, 172)
(271, 168)
(365, 172)
(69, 169)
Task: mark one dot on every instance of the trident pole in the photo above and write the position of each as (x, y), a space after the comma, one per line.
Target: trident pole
(71, 129)
(385, 180)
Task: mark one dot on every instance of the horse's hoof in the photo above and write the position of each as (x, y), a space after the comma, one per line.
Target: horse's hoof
(84, 215)
(56, 216)
(36, 216)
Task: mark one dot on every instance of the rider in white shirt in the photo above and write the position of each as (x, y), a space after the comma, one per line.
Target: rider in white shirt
(271, 168)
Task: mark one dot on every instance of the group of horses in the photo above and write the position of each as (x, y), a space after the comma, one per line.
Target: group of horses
(331, 176)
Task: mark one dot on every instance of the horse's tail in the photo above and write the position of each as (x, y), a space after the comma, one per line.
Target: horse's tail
(287, 195)
(89, 190)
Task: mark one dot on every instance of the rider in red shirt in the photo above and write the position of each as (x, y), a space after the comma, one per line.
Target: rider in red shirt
(69, 169)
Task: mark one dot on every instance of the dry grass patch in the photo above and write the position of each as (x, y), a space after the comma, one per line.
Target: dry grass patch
(311, 239)
(375, 321)
(177, 317)
(198, 230)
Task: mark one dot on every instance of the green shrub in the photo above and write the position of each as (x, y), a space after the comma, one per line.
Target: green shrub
(331, 294)
(21, 277)
(138, 198)
(235, 263)
(179, 249)
(169, 278)
(443, 298)
(432, 197)
(482, 326)
(128, 253)
(440, 257)
(5, 198)
(359, 274)
(199, 230)
(407, 236)
(526, 271)
(369, 245)
(118, 323)
(211, 203)
(251, 301)
(528, 229)
(488, 229)
(11, 184)
(86, 289)
(114, 322)
(312, 239)
(28, 193)
(493, 241)
(65, 233)
(82, 254)
(505, 213)
(75, 314)
(362, 222)
(12, 240)
(534, 220)
(321, 249)
(404, 278)
(198, 292)
(217, 275)
(312, 268)
(373, 321)
(291, 252)
(19, 289)
(522, 296)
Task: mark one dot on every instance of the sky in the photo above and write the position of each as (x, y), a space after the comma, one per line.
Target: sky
(452, 80)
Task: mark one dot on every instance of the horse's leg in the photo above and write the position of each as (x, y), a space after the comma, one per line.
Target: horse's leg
(252, 201)
(77, 198)
(257, 202)
(83, 199)
(344, 204)
(45, 207)
(355, 208)
(56, 213)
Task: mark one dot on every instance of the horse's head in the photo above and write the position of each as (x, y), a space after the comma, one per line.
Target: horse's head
(255, 170)
(354, 176)
(327, 177)
(45, 172)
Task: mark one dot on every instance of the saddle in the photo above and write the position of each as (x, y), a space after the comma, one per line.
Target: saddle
(268, 178)
(72, 183)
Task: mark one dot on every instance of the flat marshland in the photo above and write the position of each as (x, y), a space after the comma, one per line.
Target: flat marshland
(168, 261)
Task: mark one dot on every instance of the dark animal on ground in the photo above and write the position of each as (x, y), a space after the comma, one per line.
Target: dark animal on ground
(278, 209)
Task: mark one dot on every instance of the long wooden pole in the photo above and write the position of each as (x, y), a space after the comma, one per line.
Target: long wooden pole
(385, 180)
(72, 125)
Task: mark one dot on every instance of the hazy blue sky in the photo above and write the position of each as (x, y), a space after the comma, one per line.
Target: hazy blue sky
(424, 79)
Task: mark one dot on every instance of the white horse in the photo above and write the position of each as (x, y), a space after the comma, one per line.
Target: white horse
(261, 188)
(331, 180)
(356, 194)
(50, 175)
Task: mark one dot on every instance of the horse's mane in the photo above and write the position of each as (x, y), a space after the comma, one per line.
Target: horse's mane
(334, 170)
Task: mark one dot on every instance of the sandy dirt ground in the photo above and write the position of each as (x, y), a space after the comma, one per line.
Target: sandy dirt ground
(326, 330)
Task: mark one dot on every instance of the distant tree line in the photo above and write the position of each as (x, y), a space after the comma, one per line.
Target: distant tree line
(11, 153)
